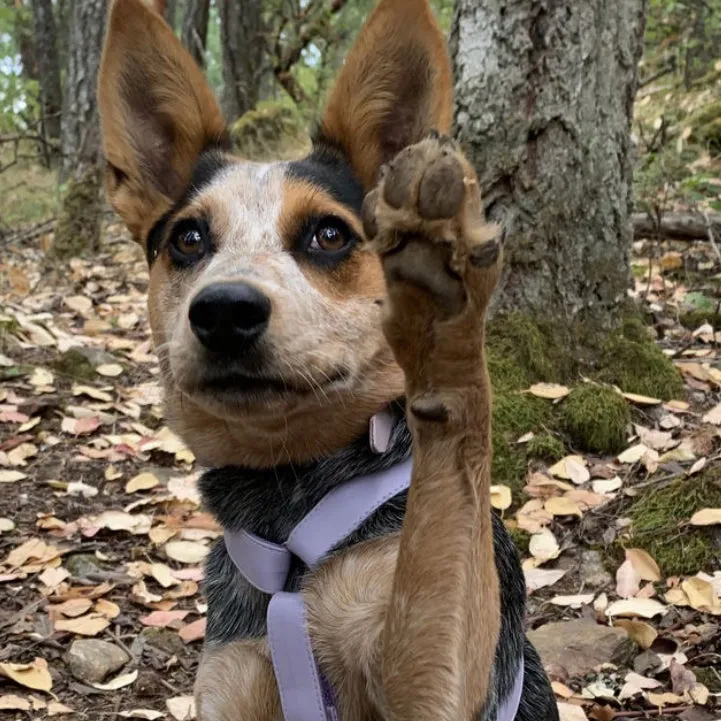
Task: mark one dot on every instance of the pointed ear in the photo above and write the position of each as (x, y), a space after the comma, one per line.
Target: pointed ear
(395, 86)
(157, 115)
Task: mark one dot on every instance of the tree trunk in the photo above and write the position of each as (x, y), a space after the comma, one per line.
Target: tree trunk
(195, 28)
(48, 66)
(23, 35)
(79, 225)
(241, 36)
(171, 11)
(544, 96)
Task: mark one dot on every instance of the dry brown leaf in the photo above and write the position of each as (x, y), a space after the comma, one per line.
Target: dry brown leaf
(634, 454)
(12, 476)
(713, 416)
(550, 391)
(706, 517)
(641, 633)
(193, 631)
(91, 392)
(163, 574)
(161, 619)
(641, 400)
(142, 482)
(55, 708)
(571, 712)
(634, 684)
(33, 675)
(74, 607)
(700, 594)
(107, 608)
(532, 516)
(14, 703)
(90, 625)
(79, 304)
(19, 455)
(664, 699)
(186, 551)
(562, 506)
(642, 561)
(571, 468)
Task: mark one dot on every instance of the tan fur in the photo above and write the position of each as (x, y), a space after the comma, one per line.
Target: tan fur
(395, 86)
(157, 113)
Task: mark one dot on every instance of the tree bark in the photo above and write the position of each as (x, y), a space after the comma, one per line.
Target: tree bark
(81, 161)
(46, 43)
(544, 96)
(241, 35)
(171, 11)
(194, 34)
(24, 40)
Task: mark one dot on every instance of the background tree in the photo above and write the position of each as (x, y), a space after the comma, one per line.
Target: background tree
(243, 43)
(544, 102)
(195, 28)
(48, 60)
(81, 214)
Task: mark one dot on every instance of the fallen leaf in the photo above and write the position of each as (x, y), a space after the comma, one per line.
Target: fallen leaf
(137, 524)
(161, 619)
(576, 601)
(186, 551)
(541, 577)
(163, 575)
(644, 607)
(79, 304)
(91, 392)
(544, 546)
(90, 625)
(6, 525)
(55, 708)
(642, 561)
(78, 488)
(18, 456)
(663, 699)
(628, 580)
(641, 400)
(700, 594)
(634, 453)
(706, 517)
(142, 713)
(604, 486)
(562, 506)
(501, 497)
(118, 682)
(80, 426)
(570, 712)
(571, 468)
(713, 416)
(641, 633)
(107, 608)
(14, 703)
(551, 391)
(142, 482)
(697, 467)
(109, 370)
(193, 631)
(634, 684)
(41, 378)
(33, 675)
(182, 708)
(12, 476)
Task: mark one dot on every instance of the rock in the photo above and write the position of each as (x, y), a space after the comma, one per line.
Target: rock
(82, 564)
(578, 646)
(593, 571)
(164, 640)
(92, 661)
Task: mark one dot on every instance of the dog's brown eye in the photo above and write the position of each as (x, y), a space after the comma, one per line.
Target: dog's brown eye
(189, 242)
(330, 237)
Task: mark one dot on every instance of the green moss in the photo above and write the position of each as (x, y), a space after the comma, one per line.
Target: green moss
(74, 364)
(596, 418)
(660, 524)
(270, 130)
(521, 539)
(706, 676)
(705, 127)
(631, 360)
(79, 224)
(692, 319)
(545, 447)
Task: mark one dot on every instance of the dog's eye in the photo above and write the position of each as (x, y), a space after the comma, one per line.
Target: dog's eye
(189, 242)
(330, 236)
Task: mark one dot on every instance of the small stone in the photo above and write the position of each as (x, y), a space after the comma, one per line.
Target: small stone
(92, 661)
(579, 646)
(82, 565)
(164, 640)
(593, 571)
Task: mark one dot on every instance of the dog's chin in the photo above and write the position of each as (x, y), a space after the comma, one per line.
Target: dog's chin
(239, 395)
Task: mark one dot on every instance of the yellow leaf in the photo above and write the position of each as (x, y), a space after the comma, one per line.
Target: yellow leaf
(699, 593)
(641, 633)
(644, 607)
(571, 468)
(164, 575)
(141, 482)
(500, 498)
(633, 454)
(550, 391)
(33, 675)
(186, 551)
(641, 400)
(12, 476)
(543, 546)
(14, 703)
(118, 682)
(706, 517)
(562, 506)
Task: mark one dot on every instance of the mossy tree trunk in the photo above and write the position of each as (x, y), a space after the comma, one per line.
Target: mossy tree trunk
(78, 228)
(544, 95)
(242, 40)
(46, 40)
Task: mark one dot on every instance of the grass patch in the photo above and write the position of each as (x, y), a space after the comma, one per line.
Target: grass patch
(596, 418)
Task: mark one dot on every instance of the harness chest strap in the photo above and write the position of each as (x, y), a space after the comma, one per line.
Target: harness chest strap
(304, 693)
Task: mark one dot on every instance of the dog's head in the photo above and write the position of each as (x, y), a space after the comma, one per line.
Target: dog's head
(265, 311)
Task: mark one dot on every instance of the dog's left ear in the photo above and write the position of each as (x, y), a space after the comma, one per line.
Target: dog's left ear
(394, 88)
(157, 114)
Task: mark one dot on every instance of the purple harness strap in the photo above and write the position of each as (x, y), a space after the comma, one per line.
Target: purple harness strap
(304, 693)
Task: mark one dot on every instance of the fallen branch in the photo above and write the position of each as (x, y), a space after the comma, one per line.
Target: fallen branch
(678, 226)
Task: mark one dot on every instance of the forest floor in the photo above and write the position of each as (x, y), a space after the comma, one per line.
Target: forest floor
(102, 537)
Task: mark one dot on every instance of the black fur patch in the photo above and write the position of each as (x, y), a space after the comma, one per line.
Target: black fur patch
(210, 163)
(329, 169)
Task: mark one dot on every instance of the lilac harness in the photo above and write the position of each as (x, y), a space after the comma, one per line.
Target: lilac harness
(304, 692)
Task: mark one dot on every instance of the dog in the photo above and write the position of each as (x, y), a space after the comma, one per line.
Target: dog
(320, 323)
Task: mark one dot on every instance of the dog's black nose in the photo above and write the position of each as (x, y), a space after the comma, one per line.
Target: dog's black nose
(229, 317)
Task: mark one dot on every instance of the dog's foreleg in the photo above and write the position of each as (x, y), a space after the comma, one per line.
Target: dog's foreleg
(441, 264)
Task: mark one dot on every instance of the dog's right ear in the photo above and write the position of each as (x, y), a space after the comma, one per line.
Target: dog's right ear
(157, 115)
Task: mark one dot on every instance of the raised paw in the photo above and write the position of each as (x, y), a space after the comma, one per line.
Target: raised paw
(425, 220)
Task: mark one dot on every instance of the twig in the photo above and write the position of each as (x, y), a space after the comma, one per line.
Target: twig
(648, 712)
(711, 239)
(670, 68)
